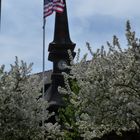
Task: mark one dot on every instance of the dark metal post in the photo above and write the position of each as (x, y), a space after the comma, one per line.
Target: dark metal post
(58, 54)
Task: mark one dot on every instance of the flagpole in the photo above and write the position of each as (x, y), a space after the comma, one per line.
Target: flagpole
(43, 77)
(43, 68)
(0, 12)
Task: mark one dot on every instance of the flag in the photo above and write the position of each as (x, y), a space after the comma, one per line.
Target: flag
(53, 5)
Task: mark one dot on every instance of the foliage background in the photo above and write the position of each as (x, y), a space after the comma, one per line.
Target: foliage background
(21, 109)
(104, 94)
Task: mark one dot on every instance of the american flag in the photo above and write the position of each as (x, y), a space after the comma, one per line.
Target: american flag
(53, 5)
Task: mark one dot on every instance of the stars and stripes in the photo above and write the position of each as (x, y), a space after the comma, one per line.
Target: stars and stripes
(53, 5)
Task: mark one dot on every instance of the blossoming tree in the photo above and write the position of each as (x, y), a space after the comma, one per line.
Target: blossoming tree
(104, 93)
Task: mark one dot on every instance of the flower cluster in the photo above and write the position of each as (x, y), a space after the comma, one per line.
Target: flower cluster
(21, 109)
(106, 96)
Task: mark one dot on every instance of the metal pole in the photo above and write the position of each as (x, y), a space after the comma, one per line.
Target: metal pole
(43, 77)
(0, 12)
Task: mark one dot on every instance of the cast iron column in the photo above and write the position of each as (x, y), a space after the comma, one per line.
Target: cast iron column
(58, 54)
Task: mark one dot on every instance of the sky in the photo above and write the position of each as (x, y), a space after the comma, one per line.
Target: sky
(93, 21)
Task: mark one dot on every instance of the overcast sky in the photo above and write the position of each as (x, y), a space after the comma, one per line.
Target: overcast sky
(95, 21)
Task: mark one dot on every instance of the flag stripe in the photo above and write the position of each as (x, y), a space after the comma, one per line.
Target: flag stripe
(53, 5)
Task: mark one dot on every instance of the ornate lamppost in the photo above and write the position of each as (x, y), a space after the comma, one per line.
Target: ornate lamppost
(58, 54)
